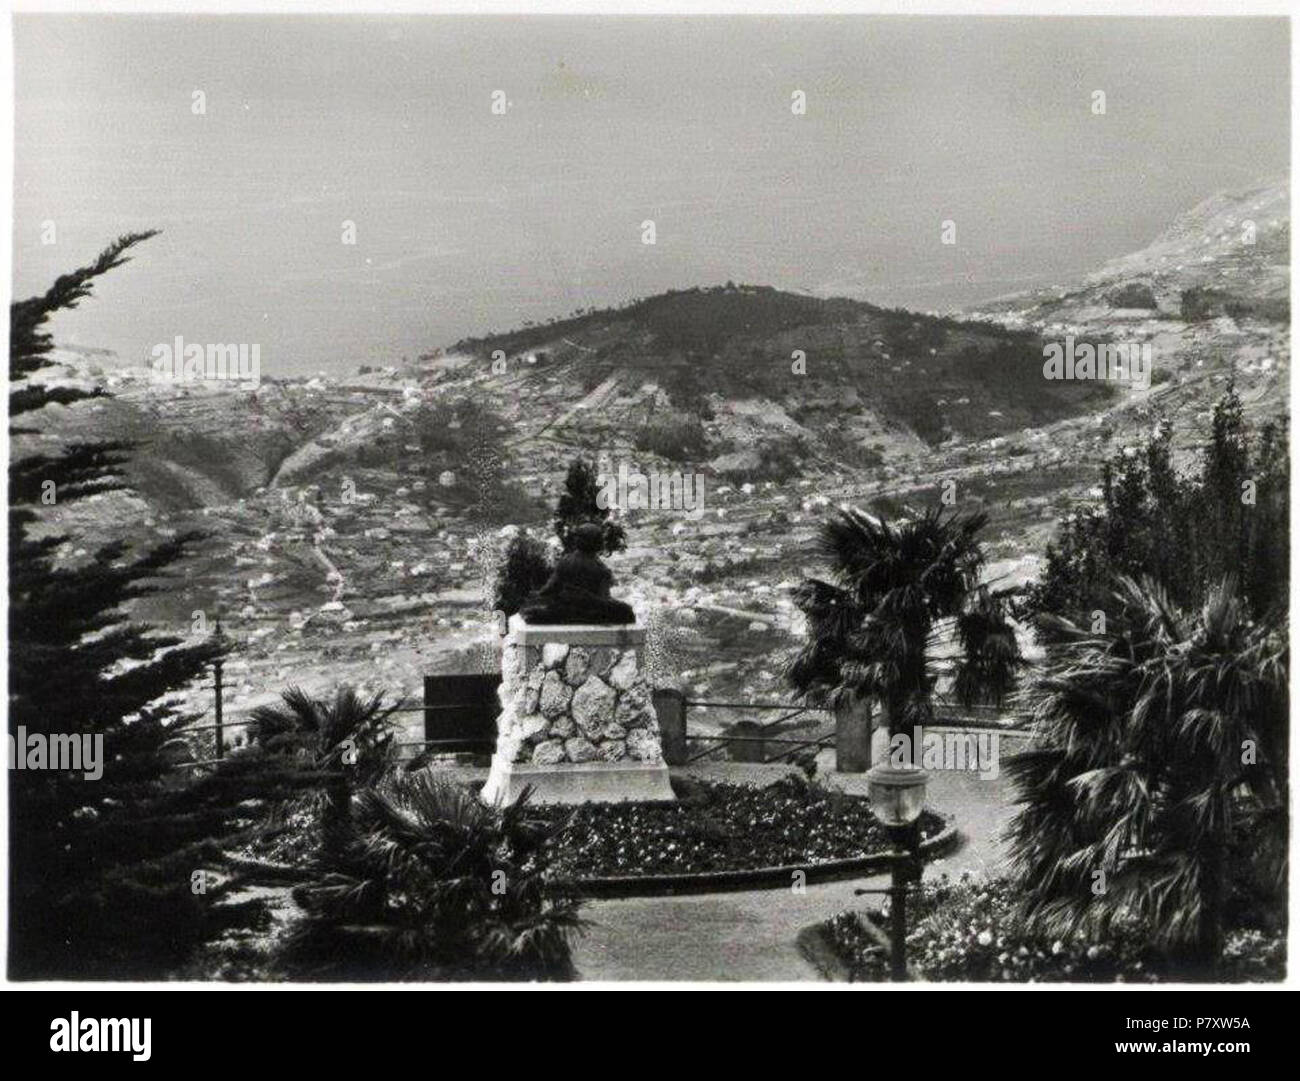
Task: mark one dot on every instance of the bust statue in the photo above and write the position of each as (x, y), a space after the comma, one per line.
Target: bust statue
(578, 589)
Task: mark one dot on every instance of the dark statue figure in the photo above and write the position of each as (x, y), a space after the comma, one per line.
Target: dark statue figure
(578, 589)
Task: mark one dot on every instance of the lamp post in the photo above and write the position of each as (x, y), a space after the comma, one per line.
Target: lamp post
(897, 798)
(222, 642)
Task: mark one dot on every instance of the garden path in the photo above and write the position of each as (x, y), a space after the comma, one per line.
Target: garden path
(750, 935)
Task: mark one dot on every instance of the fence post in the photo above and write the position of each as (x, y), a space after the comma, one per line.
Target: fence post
(670, 709)
(853, 736)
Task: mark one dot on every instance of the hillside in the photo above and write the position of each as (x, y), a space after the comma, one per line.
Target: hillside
(1229, 255)
(340, 543)
(876, 383)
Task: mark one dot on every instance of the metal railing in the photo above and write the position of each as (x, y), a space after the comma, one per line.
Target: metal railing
(791, 710)
(219, 726)
(948, 714)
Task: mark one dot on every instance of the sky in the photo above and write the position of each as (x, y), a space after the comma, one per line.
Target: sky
(469, 221)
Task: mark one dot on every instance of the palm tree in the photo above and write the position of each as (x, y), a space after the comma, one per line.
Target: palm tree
(874, 629)
(1161, 746)
(436, 884)
(348, 738)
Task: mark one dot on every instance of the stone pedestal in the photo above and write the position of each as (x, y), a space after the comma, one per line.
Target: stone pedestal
(576, 721)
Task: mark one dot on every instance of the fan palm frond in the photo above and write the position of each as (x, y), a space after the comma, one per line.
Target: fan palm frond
(1157, 740)
(872, 627)
(446, 886)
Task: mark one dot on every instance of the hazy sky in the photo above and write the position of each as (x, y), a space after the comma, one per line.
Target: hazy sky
(468, 221)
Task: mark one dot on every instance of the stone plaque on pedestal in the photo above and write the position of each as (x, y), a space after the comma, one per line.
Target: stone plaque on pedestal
(576, 719)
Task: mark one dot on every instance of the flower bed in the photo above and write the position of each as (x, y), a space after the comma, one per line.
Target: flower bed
(718, 827)
(712, 827)
(969, 931)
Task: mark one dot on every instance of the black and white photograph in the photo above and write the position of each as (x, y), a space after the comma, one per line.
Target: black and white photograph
(623, 496)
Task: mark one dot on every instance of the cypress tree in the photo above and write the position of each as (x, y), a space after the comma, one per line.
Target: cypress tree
(110, 877)
(577, 504)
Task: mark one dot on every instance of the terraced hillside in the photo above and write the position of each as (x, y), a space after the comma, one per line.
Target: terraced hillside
(344, 541)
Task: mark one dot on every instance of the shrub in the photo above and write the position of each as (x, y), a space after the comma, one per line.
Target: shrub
(971, 931)
(678, 437)
(852, 452)
(447, 426)
(1133, 295)
(1202, 302)
(1198, 303)
(1186, 531)
(779, 461)
(437, 885)
(720, 572)
(523, 571)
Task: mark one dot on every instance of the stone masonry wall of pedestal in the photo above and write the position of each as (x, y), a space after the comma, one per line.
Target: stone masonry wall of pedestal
(573, 703)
